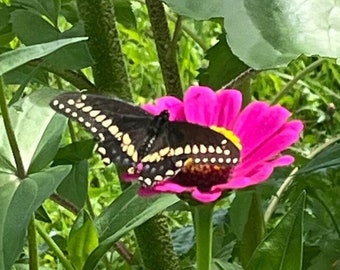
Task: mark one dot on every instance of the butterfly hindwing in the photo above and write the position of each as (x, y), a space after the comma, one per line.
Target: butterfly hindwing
(118, 126)
(181, 141)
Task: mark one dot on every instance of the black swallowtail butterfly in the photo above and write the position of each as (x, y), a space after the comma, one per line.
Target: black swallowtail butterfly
(151, 145)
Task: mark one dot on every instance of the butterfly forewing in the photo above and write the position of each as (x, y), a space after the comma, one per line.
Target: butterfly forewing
(130, 136)
(118, 126)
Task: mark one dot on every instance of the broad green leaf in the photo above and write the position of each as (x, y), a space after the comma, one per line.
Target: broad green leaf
(6, 34)
(83, 239)
(38, 130)
(23, 20)
(42, 215)
(48, 8)
(328, 158)
(253, 231)
(183, 239)
(265, 34)
(239, 212)
(199, 9)
(74, 186)
(282, 248)
(70, 11)
(124, 13)
(25, 74)
(74, 56)
(75, 152)
(127, 212)
(18, 200)
(223, 66)
(13, 59)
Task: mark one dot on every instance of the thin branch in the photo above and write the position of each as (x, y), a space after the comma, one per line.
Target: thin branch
(53, 246)
(10, 133)
(298, 76)
(176, 37)
(76, 78)
(65, 203)
(193, 35)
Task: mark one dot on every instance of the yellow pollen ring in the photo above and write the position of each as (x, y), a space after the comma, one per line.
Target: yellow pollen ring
(229, 135)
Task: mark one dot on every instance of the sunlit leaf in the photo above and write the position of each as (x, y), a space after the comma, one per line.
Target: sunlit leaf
(19, 199)
(20, 56)
(127, 212)
(282, 248)
(82, 240)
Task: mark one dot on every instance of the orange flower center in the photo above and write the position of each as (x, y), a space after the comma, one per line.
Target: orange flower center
(202, 176)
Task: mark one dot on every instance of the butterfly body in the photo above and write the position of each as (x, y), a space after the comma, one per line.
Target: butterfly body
(152, 146)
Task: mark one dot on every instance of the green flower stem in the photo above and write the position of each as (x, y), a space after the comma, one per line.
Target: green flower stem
(10, 133)
(202, 217)
(53, 246)
(32, 245)
(298, 76)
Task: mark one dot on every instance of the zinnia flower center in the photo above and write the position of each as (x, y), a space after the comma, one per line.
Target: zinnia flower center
(202, 176)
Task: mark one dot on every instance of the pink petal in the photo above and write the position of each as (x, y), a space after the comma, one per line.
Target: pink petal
(285, 160)
(257, 122)
(171, 104)
(228, 107)
(261, 173)
(206, 197)
(288, 134)
(237, 182)
(168, 186)
(199, 105)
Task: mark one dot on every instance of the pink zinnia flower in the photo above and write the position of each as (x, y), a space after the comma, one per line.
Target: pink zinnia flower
(263, 131)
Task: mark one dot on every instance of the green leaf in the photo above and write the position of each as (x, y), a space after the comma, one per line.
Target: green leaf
(6, 34)
(328, 158)
(74, 56)
(70, 11)
(18, 200)
(239, 212)
(253, 229)
(38, 130)
(124, 13)
(127, 212)
(24, 74)
(83, 239)
(74, 186)
(49, 8)
(223, 65)
(13, 59)
(42, 215)
(22, 23)
(75, 152)
(199, 9)
(266, 34)
(282, 248)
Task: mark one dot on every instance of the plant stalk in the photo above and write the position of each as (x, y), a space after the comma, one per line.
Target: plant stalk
(202, 217)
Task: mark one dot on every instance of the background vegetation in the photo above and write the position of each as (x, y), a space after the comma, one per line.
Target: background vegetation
(61, 208)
